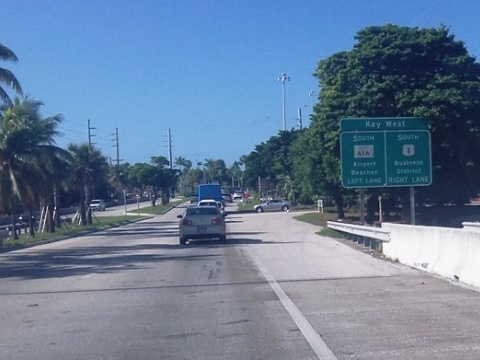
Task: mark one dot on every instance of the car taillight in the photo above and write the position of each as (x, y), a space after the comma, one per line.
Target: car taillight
(217, 221)
(186, 222)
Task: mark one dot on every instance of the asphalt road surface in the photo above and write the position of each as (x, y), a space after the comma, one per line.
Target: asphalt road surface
(275, 290)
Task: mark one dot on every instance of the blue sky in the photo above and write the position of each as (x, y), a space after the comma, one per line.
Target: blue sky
(207, 70)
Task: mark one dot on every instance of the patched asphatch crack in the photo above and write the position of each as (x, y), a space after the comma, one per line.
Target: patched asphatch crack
(213, 274)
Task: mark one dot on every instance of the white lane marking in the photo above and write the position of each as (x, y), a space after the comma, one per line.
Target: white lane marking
(315, 341)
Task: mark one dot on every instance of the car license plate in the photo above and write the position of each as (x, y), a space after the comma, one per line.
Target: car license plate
(201, 229)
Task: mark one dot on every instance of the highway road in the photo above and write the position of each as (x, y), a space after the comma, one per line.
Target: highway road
(275, 290)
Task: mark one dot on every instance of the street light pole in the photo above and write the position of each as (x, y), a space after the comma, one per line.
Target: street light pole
(282, 78)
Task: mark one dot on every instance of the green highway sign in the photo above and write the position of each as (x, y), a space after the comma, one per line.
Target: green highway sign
(363, 159)
(408, 158)
(386, 158)
(386, 124)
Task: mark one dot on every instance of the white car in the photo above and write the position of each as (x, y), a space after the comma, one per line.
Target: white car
(202, 222)
(211, 202)
(97, 204)
(237, 195)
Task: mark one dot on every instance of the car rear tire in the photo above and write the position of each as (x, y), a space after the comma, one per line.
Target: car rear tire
(259, 210)
(183, 241)
(284, 208)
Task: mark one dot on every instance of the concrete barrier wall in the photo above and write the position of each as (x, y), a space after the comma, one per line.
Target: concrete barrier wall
(449, 252)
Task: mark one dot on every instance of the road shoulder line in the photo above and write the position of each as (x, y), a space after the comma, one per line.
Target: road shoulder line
(316, 342)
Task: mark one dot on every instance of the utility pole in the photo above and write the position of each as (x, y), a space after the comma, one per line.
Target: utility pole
(90, 150)
(170, 149)
(299, 118)
(90, 135)
(117, 145)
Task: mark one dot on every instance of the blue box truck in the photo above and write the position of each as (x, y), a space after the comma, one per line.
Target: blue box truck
(210, 191)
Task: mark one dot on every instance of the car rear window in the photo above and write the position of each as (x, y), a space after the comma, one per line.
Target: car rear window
(202, 211)
(209, 203)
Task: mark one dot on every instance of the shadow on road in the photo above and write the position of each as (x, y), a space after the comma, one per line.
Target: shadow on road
(87, 260)
(102, 259)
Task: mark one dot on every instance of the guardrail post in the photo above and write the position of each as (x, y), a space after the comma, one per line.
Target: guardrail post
(367, 242)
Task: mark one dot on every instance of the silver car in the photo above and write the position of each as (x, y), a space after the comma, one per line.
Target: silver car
(97, 204)
(237, 195)
(273, 205)
(202, 222)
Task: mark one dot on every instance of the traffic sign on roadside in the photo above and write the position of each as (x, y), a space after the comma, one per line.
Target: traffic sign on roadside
(383, 124)
(363, 160)
(408, 160)
(388, 157)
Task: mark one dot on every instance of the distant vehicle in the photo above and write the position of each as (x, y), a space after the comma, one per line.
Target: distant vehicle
(273, 205)
(207, 202)
(212, 202)
(97, 204)
(210, 191)
(193, 199)
(227, 197)
(202, 222)
(238, 194)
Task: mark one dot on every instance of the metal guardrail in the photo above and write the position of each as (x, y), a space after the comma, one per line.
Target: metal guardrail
(368, 235)
(472, 226)
(361, 230)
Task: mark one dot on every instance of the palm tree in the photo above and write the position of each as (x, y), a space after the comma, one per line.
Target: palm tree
(184, 165)
(236, 173)
(7, 77)
(88, 166)
(27, 156)
(81, 169)
(167, 178)
(118, 178)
